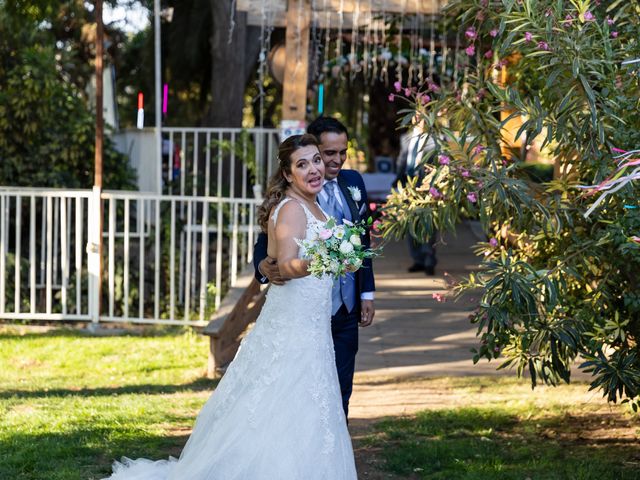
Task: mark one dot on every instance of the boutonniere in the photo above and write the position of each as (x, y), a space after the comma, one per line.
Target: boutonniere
(356, 194)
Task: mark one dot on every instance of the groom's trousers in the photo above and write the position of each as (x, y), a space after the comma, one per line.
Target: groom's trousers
(344, 329)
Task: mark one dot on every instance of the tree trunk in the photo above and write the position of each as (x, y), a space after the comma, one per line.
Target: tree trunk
(231, 66)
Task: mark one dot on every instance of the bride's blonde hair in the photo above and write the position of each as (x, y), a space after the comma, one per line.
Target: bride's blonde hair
(278, 184)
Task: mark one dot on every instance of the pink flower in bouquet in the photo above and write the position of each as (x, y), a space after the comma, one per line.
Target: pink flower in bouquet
(464, 173)
(610, 21)
(373, 206)
(376, 226)
(588, 16)
(407, 92)
(543, 46)
(472, 197)
(488, 54)
(391, 97)
(325, 234)
(471, 33)
(397, 86)
(435, 193)
(494, 32)
(614, 34)
(528, 36)
(471, 50)
(444, 159)
(493, 242)
(479, 149)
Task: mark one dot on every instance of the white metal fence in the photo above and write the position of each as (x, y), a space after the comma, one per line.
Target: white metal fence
(166, 258)
(217, 161)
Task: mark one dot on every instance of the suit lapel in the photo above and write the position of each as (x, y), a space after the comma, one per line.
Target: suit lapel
(345, 192)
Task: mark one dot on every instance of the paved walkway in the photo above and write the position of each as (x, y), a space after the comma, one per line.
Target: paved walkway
(413, 335)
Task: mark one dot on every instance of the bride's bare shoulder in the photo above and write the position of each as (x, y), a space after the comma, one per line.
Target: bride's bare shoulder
(291, 213)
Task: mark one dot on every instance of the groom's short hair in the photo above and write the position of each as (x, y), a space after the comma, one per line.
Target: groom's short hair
(326, 125)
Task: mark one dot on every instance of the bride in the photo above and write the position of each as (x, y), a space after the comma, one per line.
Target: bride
(277, 413)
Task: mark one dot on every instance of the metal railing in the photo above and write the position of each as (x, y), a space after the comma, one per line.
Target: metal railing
(166, 258)
(217, 161)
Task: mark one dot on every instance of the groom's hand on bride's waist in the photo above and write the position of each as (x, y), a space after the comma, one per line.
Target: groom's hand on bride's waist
(269, 268)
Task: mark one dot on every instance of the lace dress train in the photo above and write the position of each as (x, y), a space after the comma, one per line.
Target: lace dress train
(277, 412)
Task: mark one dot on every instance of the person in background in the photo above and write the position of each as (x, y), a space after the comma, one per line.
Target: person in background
(414, 146)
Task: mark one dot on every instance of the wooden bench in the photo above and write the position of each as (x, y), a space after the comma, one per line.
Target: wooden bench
(240, 308)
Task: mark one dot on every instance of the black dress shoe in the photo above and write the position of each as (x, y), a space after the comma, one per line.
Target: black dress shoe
(416, 267)
(430, 270)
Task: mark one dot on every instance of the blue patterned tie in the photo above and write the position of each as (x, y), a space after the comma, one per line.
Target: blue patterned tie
(333, 207)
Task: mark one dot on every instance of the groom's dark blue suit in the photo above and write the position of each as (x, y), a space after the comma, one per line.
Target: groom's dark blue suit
(344, 324)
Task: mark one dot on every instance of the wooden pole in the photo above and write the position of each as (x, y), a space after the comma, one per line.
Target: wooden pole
(99, 96)
(97, 182)
(296, 73)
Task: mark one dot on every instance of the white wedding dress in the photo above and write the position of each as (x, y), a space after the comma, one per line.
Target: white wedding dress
(277, 412)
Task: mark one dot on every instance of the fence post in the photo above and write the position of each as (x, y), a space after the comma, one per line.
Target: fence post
(94, 239)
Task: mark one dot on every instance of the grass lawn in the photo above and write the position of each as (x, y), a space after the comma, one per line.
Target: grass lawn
(71, 403)
(496, 428)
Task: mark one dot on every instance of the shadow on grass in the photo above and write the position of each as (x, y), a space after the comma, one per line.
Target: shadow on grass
(83, 454)
(201, 384)
(10, 332)
(496, 443)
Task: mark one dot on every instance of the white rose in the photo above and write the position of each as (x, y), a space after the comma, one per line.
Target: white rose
(355, 240)
(355, 193)
(346, 247)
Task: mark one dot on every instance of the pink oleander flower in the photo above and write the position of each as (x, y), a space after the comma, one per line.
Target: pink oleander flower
(397, 86)
(407, 92)
(479, 149)
(588, 16)
(472, 197)
(614, 34)
(543, 46)
(471, 50)
(488, 54)
(569, 18)
(500, 64)
(471, 33)
(444, 159)
(433, 86)
(424, 99)
(464, 173)
(435, 193)
(494, 32)
(391, 97)
(610, 21)
(528, 36)
(493, 242)
(438, 297)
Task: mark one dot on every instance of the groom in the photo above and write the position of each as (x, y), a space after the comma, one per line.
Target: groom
(343, 197)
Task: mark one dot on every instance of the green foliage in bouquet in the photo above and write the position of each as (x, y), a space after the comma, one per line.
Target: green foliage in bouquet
(556, 286)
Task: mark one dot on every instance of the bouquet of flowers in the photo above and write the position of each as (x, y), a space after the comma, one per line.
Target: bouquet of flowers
(336, 249)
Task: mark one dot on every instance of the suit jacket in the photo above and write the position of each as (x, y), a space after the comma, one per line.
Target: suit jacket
(365, 281)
